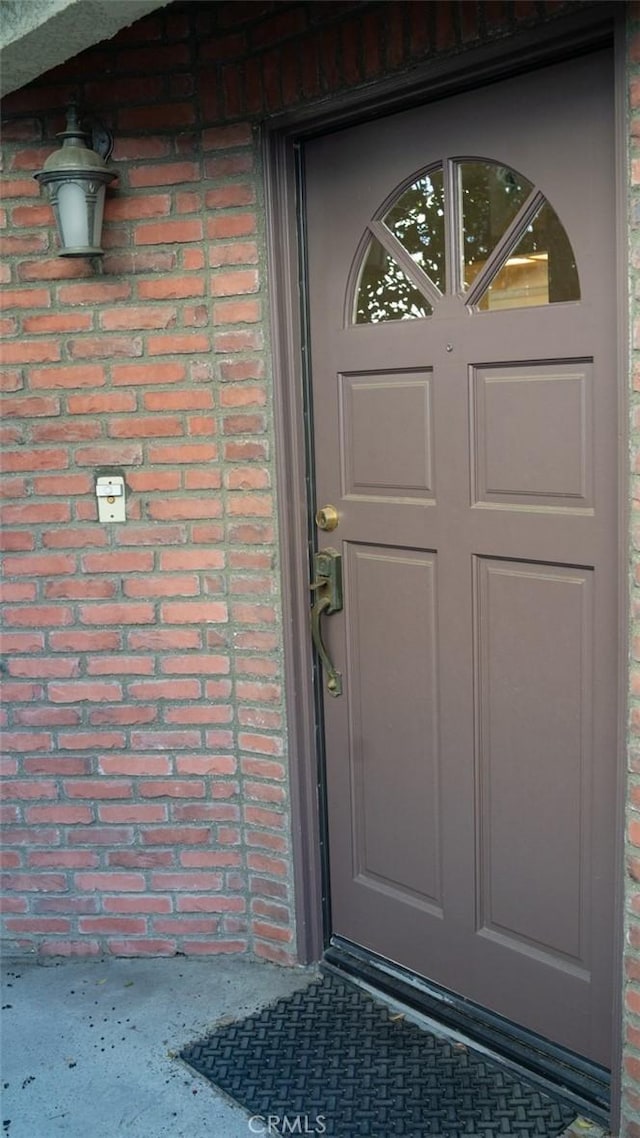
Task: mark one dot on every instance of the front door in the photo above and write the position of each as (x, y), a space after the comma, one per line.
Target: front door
(461, 299)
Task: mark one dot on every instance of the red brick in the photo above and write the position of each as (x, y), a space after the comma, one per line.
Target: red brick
(58, 764)
(244, 340)
(79, 590)
(226, 137)
(102, 403)
(209, 904)
(26, 298)
(172, 788)
(20, 245)
(171, 288)
(193, 612)
(119, 319)
(37, 667)
(38, 616)
(154, 480)
(70, 322)
(96, 788)
(13, 488)
(134, 374)
(105, 348)
(30, 406)
(196, 664)
(107, 925)
(68, 376)
(165, 740)
(184, 586)
(93, 690)
(175, 344)
(183, 926)
(23, 641)
(118, 561)
(94, 292)
(164, 174)
(275, 866)
(238, 253)
(264, 792)
(227, 165)
(90, 740)
(140, 261)
(161, 639)
(43, 925)
(10, 815)
(177, 835)
(27, 352)
(133, 209)
(183, 453)
(124, 613)
(35, 460)
(63, 859)
(10, 380)
(34, 882)
(192, 257)
(49, 565)
(30, 216)
(110, 882)
(137, 904)
(144, 947)
(151, 535)
(134, 149)
(226, 225)
(56, 269)
(42, 788)
(19, 188)
(207, 882)
(84, 641)
(169, 232)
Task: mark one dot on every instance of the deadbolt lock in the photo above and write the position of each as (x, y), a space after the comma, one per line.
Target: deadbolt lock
(327, 518)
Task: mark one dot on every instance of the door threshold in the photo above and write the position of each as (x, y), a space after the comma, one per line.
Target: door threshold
(587, 1085)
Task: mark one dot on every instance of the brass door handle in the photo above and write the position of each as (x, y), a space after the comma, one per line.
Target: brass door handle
(327, 518)
(334, 679)
(328, 598)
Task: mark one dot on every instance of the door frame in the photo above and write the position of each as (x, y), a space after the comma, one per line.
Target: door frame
(283, 138)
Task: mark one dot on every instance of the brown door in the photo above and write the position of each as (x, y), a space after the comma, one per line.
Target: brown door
(461, 301)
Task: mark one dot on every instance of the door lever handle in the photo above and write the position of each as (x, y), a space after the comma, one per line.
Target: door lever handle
(328, 598)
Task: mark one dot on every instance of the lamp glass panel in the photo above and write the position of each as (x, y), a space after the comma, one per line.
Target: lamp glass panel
(98, 210)
(73, 216)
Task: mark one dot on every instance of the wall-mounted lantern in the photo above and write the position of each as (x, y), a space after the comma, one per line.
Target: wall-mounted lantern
(76, 178)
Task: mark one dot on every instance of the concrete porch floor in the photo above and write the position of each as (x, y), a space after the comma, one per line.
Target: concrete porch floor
(88, 1047)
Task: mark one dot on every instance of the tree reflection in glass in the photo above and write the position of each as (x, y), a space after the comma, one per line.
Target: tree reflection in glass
(490, 196)
(417, 220)
(385, 293)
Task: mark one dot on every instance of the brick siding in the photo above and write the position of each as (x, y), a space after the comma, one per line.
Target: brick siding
(145, 801)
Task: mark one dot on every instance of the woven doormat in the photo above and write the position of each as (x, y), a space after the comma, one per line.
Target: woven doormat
(332, 1060)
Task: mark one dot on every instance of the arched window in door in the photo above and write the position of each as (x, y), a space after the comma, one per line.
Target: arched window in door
(470, 227)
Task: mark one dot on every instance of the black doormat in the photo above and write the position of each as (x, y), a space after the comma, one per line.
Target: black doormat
(332, 1060)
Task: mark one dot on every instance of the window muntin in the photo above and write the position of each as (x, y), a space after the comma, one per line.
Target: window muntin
(513, 249)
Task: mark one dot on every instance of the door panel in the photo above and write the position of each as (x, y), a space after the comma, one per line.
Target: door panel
(465, 428)
(533, 678)
(393, 663)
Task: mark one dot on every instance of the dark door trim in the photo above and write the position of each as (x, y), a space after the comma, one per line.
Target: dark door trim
(283, 138)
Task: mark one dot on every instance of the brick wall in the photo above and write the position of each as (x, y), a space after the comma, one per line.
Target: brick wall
(145, 803)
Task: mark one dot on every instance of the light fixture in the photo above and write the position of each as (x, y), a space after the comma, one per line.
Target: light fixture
(76, 178)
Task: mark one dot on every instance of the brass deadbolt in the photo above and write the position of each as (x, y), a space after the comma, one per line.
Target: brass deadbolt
(327, 518)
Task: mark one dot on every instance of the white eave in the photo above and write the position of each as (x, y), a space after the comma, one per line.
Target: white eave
(36, 35)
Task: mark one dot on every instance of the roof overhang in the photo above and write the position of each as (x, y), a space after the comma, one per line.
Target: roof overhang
(36, 35)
